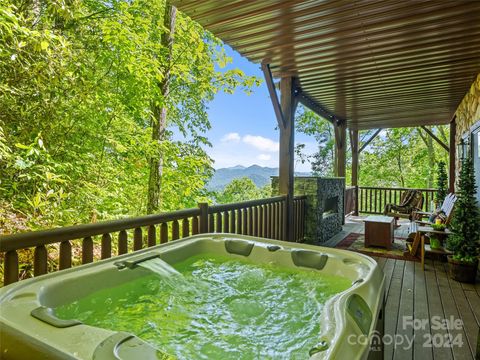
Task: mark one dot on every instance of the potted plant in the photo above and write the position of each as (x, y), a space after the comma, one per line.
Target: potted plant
(442, 180)
(465, 226)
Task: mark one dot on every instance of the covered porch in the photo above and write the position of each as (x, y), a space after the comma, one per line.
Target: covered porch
(362, 66)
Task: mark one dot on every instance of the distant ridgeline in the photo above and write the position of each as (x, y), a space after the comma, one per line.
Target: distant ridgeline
(258, 174)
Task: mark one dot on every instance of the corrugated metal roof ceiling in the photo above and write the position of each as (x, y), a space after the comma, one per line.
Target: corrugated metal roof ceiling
(385, 63)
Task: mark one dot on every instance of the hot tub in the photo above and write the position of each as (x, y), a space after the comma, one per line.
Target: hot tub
(137, 306)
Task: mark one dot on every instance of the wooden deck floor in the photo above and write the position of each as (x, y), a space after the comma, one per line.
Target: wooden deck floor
(429, 295)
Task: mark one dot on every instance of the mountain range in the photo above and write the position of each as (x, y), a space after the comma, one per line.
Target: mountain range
(258, 174)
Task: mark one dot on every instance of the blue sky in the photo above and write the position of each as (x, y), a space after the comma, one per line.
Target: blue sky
(243, 126)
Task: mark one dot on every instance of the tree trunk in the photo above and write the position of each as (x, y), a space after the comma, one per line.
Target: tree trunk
(159, 119)
(427, 139)
(400, 168)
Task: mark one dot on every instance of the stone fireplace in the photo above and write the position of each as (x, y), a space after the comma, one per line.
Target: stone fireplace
(324, 206)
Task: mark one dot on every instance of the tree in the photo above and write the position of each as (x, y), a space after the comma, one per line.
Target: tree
(242, 189)
(442, 183)
(159, 113)
(309, 123)
(465, 223)
(81, 82)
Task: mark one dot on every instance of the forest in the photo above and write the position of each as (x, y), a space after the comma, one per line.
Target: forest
(104, 115)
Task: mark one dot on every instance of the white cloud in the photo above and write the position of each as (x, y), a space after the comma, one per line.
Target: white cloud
(264, 157)
(261, 143)
(231, 137)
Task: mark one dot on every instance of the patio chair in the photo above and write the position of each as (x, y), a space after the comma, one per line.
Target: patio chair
(444, 213)
(411, 202)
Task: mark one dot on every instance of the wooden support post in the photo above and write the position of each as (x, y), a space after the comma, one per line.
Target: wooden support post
(286, 156)
(452, 152)
(355, 153)
(285, 114)
(340, 148)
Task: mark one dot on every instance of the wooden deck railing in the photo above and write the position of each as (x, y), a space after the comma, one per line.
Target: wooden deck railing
(372, 200)
(262, 218)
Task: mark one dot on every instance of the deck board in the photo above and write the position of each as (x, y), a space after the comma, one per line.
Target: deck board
(393, 304)
(405, 351)
(421, 311)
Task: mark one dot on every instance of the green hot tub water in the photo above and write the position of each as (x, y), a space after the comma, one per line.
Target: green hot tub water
(215, 308)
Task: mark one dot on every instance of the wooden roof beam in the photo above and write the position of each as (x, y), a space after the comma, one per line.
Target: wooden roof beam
(370, 140)
(440, 142)
(317, 108)
(273, 94)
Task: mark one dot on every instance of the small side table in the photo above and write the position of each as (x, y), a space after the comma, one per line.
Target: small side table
(425, 248)
(379, 231)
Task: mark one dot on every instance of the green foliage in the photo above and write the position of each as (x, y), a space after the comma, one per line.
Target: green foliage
(242, 189)
(465, 222)
(78, 81)
(442, 186)
(398, 157)
(439, 227)
(309, 123)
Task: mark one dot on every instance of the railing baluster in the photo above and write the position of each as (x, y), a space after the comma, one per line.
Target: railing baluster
(270, 220)
(11, 267)
(185, 227)
(65, 260)
(218, 227)
(122, 242)
(255, 221)
(245, 221)
(280, 221)
(226, 222)
(304, 203)
(232, 221)
(239, 222)
(297, 221)
(106, 246)
(250, 221)
(175, 230)
(277, 220)
(360, 200)
(371, 196)
(195, 225)
(263, 222)
(137, 239)
(211, 223)
(163, 233)
(152, 236)
(87, 250)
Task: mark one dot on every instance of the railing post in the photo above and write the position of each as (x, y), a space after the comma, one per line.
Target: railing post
(203, 217)
(11, 267)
